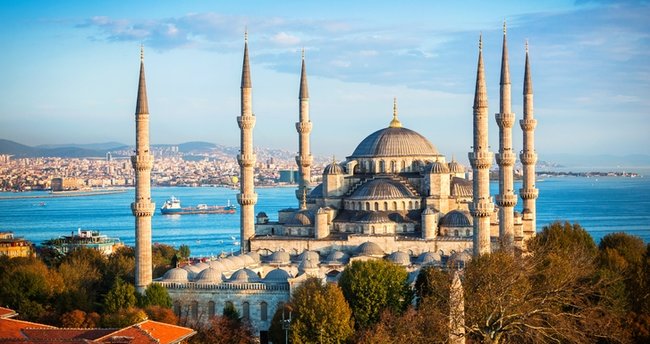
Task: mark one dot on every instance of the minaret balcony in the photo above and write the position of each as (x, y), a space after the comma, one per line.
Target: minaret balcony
(528, 124)
(143, 208)
(303, 127)
(246, 160)
(481, 160)
(481, 207)
(507, 200)
(304, 161)
(506, 158)
(528, 193)
(505, 120)
(142, 162)
(247, 199)
(528, 158)
(246, 122)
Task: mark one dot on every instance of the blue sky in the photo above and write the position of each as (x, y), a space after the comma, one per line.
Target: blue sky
(69, 70)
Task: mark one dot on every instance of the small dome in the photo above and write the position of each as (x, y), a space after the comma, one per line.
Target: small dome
(436, 168)
(370, 249)
(455, 167)
(248, 260)
(217, 264)
(237, 261)
(244, 276)
(333, 169)
(254, 255)
(192, 271)
(209, 276)
(279, 258)
(262, 214)
(228, 264)
(308, 264)
(201, 266)
(178, 275)
(459, 258)
(302, 218)
(337, 258)
(381, 189)
(456, 218)
(312, 255)
(428, 211)
(400, 258)
(429, 258)
(277, 276)
(375, 217)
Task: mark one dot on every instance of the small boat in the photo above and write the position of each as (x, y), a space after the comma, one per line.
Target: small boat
(173, 207)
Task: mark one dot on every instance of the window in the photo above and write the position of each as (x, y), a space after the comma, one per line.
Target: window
(456, 232)
(195, 310)
(246, 310)
(211, 309)
(376, 206)
(385, 206)
(263, 311)
(177, 308)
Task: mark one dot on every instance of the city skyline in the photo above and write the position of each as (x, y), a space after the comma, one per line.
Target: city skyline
(70, 71)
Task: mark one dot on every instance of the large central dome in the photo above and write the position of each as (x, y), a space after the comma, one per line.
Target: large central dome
(394, 142)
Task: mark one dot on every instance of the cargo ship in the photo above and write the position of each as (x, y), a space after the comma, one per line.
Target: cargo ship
(173, 207)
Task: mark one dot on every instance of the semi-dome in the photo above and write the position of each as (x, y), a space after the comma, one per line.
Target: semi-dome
(429, 258)
(370, 249)
(394, 142)
(337, 258)
(375, 217)
(400, 258)
(455, 167)
(333, 168)
(244, 276)
(302, 218)
(177, 275)
(381, 189)
(277, 276)
(279, 258)
(456, 218)
(436, 167)
(209, 276)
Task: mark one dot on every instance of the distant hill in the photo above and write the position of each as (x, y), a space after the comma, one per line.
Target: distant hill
(91, 146)
(23, 151)
(600, 161)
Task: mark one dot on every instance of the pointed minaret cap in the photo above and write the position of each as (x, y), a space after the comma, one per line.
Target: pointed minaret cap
(480, 95)
(505, 71)
(142, 105)
(304, 90)
(303, 199)
(246, 72)
(528, 81)
(395, 123)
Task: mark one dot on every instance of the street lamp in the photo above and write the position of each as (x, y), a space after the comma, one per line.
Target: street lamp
(286, 325)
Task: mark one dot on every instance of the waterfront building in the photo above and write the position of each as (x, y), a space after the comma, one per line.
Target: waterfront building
(395, 197)
(11, 246)
(84, 238)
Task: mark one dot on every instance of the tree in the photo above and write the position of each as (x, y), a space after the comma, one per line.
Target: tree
(320, 314)
(184, 251)
(223, 330)
(156, 295)
(80, 319)
(120, 297)
(372, 286)
(82, 270)
(230, 312)
(161, 314)
(124, 317)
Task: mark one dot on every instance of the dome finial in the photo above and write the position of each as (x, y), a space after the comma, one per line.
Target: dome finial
(504, 26)
(303, 199)
(333, 159)
(395, 123)
(246, 34)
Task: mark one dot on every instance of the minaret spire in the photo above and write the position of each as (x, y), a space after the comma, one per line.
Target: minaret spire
(304, 158)
(142, 208)
(481, 159)
(506, 199)
(247, 198)
(528, 156)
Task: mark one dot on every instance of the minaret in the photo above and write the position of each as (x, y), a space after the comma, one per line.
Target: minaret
(528, 157)
(303, 126)
(142, 208)
(481, 159)
(506, 199)
(246, 158)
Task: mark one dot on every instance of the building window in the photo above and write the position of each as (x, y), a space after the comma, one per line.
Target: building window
(456, 232)
(368, 206)
(385, 206)
(467, 232)
(246, 310)
(376, 206)
(264, 311)
(177, 308)
(195, 310)
(394, 205)
(410, 204)
(211, 308)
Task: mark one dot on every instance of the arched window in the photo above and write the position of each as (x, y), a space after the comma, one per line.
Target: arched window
(264, 311)
(211, 308)
(394, 205)
(195, 310)
(417, 205)
(410, 204)
(376, 206)
(467, 232)
(403, 167)
(403, 205)
(372, 229)
(177, 308)
(404, 228)
(385, 206)
(393, 166)
(382, 166)
(246, 310)
(368, 206)
(456, 232)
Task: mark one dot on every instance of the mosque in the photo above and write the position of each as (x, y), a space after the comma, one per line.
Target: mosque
(395, 197)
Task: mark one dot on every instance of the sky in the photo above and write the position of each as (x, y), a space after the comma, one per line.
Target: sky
(69, 71)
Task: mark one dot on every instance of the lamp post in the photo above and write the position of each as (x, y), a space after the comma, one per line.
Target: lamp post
(286, 325)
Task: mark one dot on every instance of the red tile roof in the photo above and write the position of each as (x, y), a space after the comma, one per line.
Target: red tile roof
(156, 331)
(7, 312)
(67, 333)
(11, 328)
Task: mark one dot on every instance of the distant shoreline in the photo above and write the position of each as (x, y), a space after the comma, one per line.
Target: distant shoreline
(60, 194)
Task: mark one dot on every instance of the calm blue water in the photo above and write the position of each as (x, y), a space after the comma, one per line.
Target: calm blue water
(601, 206)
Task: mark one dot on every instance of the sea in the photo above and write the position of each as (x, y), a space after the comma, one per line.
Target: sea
(600, 205)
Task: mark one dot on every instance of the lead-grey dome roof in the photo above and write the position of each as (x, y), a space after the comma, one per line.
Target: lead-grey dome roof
(371, 249)
(244, 276)
(337, 258)
(178, 275)
(277, 276)
(436, 167)
(209, 276)
(333, 168)
(381, 188)
(456, 218)
(394, 142)
(400, 258)
(375, 217)
(429, 258)
(279, 258)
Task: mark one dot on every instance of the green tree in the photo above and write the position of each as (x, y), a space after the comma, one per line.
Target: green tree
(320, 314)
(223, 330)
(120, 297)
(230, 312)
(156, 295)
(82, 270)
(184, 251)
(121, 264)
(372, 286)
